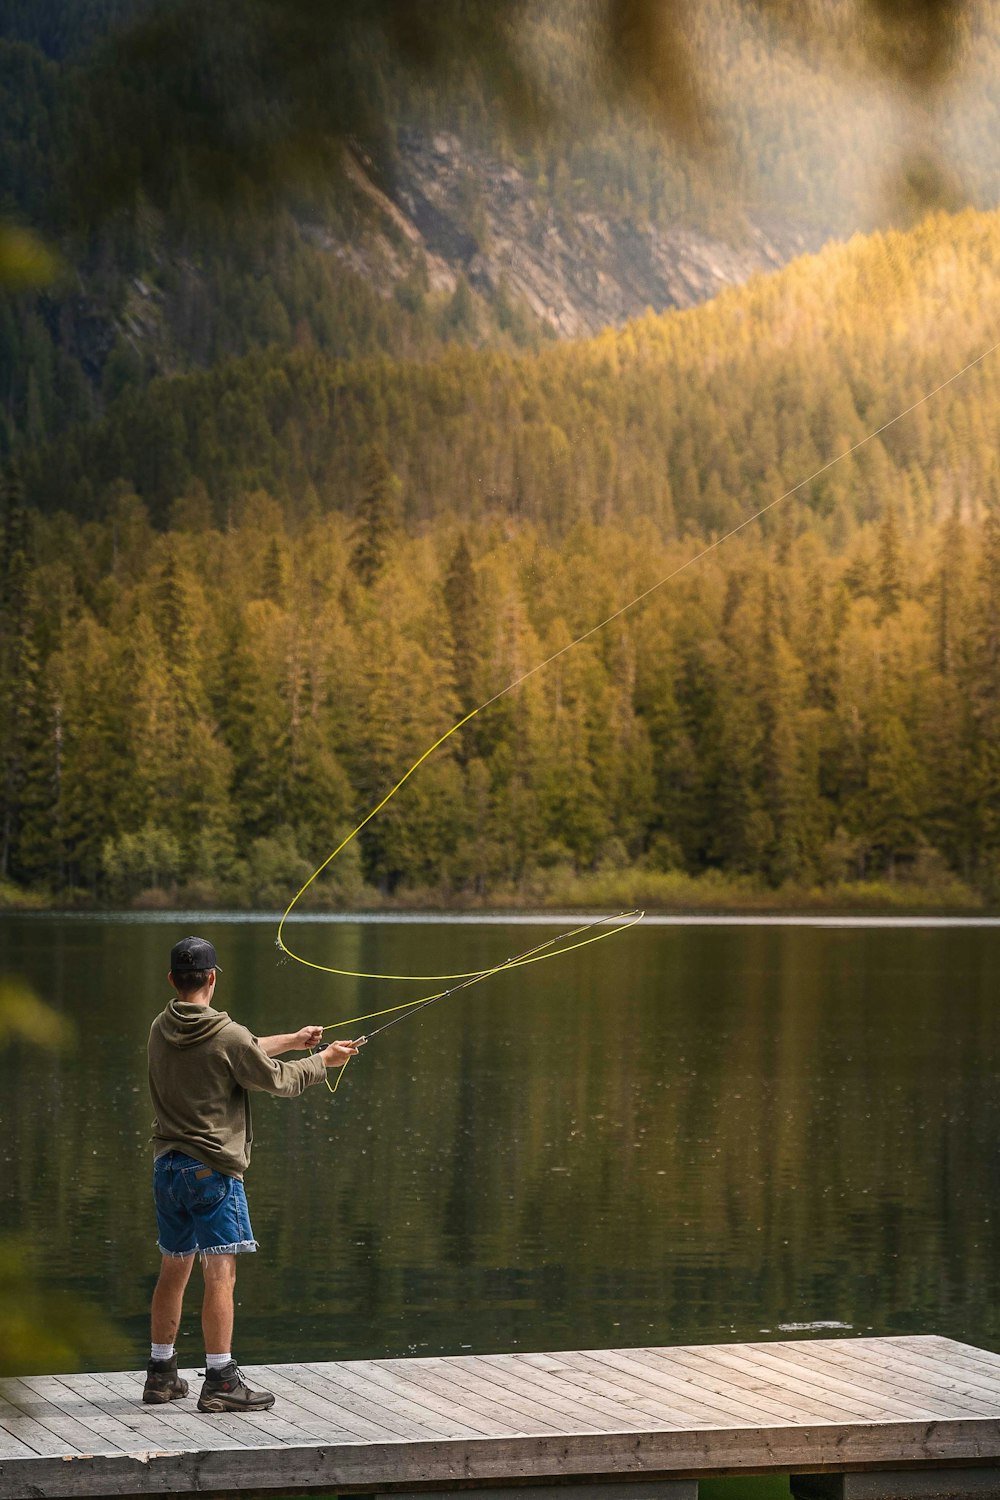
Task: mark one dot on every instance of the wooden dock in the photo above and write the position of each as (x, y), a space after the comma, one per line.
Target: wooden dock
(849, 1419)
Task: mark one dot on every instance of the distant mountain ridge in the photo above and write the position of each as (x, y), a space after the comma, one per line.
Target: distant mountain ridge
(688, 418)
(452, 229)
(597, 271)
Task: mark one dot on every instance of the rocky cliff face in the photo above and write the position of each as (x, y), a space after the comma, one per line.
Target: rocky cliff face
(450, 216)
(469, 215)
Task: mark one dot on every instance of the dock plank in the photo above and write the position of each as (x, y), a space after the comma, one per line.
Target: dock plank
(986, 1359)
(139, 1430)
(413, 1398)
(11, 1446)
(978, 1377)
(179, 1418)
(309, 1426)
(909, 1379)
(392, 1414)
(519, 1412)
(489, 1423)
(725, 1408)
(541, 1392)
(342, 1423)
(204, 1431)
(865, 1397)
(900, 1382)
(612, 1400)
(49, 1413)
(580, 1369)
(807, 1387)
(407, 1401)
(832, 1405)
(761, 1407)
(24, 1429)
(805, 1398)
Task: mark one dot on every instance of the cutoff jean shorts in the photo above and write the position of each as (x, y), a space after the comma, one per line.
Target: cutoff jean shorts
(199, 1209)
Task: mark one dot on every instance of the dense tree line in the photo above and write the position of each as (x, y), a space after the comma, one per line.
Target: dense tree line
(285, 578)
(208, 711)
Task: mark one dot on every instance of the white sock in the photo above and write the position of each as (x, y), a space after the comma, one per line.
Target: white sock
(161, 1351)
(217, 1361)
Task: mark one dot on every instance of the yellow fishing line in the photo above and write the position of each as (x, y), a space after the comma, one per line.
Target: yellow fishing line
(646, 593)
(478, 975)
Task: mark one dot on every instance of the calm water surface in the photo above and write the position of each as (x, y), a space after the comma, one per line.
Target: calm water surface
(686, 1134)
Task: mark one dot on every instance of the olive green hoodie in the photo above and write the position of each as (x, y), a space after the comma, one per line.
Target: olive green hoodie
(201, 1066)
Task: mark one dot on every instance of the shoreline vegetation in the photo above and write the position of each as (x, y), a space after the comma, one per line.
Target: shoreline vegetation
(670, 892)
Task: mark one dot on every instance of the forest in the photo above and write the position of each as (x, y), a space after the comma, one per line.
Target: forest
(239, 606)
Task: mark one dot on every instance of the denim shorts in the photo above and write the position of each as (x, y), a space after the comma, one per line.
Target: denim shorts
(199, 1209)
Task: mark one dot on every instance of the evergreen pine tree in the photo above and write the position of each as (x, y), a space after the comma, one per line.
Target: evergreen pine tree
(890, 582)
(461, 594)
(894, 796)
(377, 519)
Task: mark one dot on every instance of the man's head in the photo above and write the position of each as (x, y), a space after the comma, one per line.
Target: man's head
(193, 966)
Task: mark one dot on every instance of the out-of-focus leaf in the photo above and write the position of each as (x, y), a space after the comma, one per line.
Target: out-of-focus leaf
(647, 43)
(241, 101)
(914, 40)
(44, 1330)
(921, 184)
(25, 259)
(23, 1015)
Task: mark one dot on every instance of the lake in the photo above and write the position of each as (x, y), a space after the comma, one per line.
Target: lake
(689, 1133)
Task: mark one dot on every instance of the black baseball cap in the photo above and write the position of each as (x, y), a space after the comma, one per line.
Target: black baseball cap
(192, 953)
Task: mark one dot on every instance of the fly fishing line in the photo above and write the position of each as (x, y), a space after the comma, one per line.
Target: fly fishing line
(525, 676)
(625, 919)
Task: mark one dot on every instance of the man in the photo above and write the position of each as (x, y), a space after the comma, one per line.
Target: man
(201, 1068)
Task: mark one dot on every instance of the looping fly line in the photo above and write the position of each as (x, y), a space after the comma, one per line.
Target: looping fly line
(624, 921)
(616, 615)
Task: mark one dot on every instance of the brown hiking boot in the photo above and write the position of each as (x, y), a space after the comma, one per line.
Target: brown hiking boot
(163, 1382)
(226, 1390)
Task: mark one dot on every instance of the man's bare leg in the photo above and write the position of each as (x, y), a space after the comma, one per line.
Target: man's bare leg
(225, 1389)
(162, 1380)
(168, 1297)
(217, 1309)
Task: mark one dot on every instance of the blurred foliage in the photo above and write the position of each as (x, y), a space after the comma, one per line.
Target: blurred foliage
(25, 261)
(44, 1330)
(41, 1329)
(24, 1016)
(256, 92)
(209, 173)
(241, 104)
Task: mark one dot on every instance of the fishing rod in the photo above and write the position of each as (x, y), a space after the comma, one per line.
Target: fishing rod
(624, 920)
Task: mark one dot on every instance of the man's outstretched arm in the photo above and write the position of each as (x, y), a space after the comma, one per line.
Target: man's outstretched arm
(254, 1069)
(291, 1041)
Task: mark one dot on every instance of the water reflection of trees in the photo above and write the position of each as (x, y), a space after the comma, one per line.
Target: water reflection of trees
(696, 1135)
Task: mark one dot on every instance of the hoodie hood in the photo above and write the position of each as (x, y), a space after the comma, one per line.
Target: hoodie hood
(185, 1024)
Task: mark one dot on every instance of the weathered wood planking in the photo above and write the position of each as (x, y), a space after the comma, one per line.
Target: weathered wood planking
(597, 1417)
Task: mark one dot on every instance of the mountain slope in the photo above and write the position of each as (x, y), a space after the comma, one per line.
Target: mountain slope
(688, 419)
(453, 226)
